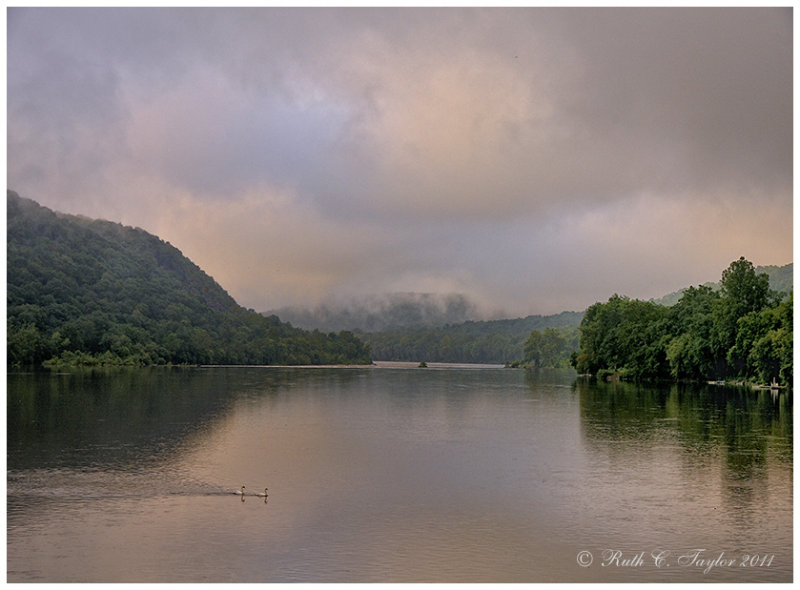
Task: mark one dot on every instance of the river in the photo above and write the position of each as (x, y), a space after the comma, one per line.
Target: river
(393, 473)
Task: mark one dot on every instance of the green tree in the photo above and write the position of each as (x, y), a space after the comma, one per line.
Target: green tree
(743, 290)
(546, 349)
(690, 349)
(533, 349)
(623, 335)
(26, 346)
(764, 343)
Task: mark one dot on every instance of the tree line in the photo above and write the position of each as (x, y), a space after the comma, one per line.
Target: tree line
(493, 341)
(742, 331)
(88, 292)
(551, 348)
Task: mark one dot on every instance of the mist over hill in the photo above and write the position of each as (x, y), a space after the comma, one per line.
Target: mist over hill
(375, 313)
(430, 327)
(404, 311)
(448, 328)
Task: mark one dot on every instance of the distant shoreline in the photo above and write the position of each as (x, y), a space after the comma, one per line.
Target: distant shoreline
(373, 365)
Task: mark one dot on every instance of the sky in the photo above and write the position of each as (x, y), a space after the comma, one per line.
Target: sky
(535, 160)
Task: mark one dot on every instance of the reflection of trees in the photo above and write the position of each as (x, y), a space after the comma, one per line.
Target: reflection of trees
(549, 376)
(742, 436)
(745, 428)
(618, 411)
(112, 416)
(745, 423)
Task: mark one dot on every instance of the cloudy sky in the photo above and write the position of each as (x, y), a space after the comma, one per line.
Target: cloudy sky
(536, 160)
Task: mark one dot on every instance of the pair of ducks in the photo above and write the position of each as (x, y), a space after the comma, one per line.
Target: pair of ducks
(259, 494)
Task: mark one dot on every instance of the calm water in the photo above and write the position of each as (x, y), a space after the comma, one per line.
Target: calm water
(392, 474)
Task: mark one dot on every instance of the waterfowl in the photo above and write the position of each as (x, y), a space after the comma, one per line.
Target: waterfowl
(264, 495)
(239, 492)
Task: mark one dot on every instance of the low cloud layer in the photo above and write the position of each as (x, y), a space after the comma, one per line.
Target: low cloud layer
(534, 159)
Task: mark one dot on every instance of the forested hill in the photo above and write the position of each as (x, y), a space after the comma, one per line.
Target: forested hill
(84, 291)
(494, 341)
(377, 313)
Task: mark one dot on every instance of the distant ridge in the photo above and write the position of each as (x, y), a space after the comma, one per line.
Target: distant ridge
(381, 312)
(83, 291)
(491, 341)
(426, 327)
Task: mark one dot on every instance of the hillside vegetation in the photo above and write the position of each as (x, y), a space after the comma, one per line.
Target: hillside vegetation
(495, 341)
(743, 331)
(84, 291)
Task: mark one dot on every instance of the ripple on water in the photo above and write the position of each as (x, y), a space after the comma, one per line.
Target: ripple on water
(75, 484)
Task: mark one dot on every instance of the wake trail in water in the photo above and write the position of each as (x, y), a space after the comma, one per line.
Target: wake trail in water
(68, 484)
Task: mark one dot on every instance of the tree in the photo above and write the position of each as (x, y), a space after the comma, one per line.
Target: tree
(743, 289)
(743, 292)
(26, 346)
(547, 349)
(533, 349)
(623, 335)
(690, 350)
(764, 343)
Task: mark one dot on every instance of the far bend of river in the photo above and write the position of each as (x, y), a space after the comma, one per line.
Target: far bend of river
(393, 474)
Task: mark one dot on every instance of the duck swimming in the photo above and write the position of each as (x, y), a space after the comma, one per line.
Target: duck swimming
(264, 495)
(239, 492)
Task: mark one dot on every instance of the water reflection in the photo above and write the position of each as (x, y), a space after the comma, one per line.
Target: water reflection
(749, 425)
(721, 456)
(106, 417)
(383, 475)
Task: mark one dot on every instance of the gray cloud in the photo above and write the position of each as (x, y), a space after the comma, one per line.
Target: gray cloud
(301, 153)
